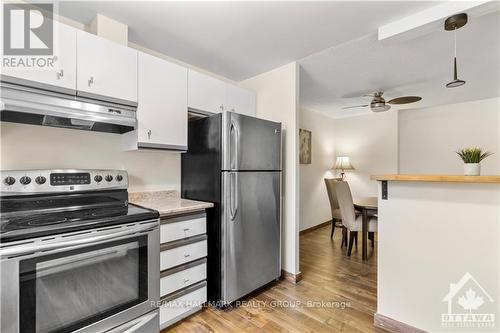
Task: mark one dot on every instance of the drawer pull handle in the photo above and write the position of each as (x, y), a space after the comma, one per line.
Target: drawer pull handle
(187, 229)
(187, 255)
(185, 280)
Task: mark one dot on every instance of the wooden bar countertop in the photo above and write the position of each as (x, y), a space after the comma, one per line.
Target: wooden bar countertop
(439, 178)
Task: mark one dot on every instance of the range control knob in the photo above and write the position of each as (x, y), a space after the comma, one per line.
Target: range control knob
(119, 178)
(9, 180)
(40, 180)
(98, 178)
(25, 180)
(108, 178)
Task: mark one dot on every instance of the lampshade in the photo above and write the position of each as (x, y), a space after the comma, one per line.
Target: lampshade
(343, 163)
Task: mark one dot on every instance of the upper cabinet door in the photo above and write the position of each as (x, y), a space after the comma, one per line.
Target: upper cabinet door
(162, 111)
(62, 74)
(205, 93)
(106, 69)
(240, 100)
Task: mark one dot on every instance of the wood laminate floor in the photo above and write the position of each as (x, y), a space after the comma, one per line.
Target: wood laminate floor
(337, 294)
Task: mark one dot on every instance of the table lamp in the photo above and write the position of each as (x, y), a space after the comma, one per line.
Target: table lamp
(343, 163)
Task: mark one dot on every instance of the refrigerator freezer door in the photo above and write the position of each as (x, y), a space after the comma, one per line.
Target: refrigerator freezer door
(251, 230)
(250, 143)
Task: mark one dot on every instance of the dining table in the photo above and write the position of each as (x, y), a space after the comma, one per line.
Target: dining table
(368, 206)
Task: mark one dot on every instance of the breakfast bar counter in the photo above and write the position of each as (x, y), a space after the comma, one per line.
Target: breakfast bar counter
(438, 238)
(439, 178)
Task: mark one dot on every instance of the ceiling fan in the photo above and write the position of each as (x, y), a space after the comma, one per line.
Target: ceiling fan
(378, 103)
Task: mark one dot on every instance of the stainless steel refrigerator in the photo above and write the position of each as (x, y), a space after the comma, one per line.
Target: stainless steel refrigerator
(234, 161)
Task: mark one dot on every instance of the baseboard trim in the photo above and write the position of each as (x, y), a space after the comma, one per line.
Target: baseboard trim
(290, 277)
(318, 226)
(393, 325)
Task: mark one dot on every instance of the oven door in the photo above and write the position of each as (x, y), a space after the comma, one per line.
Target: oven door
(82, 282)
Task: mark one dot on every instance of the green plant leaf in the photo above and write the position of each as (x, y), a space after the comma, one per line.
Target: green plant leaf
(473, 154)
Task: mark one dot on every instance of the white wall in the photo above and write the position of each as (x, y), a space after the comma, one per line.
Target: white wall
(277, 100)
(108, 28)
(371, 141)
(39, 147)
(429, 137)
(314, 205)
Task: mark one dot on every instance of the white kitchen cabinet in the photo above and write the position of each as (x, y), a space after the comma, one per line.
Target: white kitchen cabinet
(205, 93)
(183, 266)
(182, 304)
(183, 276)
(183, 254)
(162, 106)
(62, 76)
(197, 225)
(208, 94)
(240, 100)
(105, 69)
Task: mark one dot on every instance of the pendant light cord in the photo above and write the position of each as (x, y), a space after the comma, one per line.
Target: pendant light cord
(455, 39)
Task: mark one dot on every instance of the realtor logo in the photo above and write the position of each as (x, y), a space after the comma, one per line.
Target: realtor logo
(466, 300)
(26, 31)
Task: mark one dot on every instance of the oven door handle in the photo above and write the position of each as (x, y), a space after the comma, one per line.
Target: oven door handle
(134, 325)
(32, 248)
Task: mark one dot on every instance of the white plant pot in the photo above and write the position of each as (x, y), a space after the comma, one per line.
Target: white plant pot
(472, 169)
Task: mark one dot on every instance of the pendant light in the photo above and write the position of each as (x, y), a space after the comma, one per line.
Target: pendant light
(453, 23)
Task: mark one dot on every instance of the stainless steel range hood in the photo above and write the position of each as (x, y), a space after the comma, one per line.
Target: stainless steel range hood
(21, 104)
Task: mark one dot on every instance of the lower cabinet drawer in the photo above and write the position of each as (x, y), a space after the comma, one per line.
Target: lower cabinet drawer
(178, 255)
(182, 276)
(182, 304)
(180, 227)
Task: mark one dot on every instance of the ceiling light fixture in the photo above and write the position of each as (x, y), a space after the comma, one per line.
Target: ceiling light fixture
(453, 23)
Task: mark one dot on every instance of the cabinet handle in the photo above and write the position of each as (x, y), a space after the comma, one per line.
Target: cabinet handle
(91, 81)
(187, 229)
(187, 255)
(185, 280)
(60, 74)
(149, 134)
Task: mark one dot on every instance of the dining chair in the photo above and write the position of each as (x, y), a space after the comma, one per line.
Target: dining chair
(334, 206)
(350, 220)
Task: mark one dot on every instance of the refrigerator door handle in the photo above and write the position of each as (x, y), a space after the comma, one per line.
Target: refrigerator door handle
(233, 193)
(236, 196)
(234, 128)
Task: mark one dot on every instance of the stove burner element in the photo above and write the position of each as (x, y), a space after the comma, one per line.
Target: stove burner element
(39, 220)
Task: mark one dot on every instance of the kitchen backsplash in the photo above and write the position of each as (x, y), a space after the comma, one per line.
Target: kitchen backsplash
(38, 147)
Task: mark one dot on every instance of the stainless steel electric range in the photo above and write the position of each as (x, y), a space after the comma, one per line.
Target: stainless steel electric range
(75, 255)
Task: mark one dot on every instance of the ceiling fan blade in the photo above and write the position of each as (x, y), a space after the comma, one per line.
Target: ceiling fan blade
(405, 100)
(355, 106)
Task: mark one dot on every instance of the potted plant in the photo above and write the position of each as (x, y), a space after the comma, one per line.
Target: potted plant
(472, 158)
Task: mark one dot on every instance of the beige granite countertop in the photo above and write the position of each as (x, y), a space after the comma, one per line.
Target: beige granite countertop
(167, 202)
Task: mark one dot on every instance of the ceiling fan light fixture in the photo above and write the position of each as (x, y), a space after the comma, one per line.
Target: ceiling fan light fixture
(380, 108)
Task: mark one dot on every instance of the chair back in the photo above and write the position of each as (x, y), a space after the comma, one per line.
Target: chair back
(345, 202)
(332, 196)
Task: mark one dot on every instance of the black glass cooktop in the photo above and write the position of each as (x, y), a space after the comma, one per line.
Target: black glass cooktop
(36, 216)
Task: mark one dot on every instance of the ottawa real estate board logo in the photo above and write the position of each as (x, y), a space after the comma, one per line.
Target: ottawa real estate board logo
(28, 36)
(468, 303)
